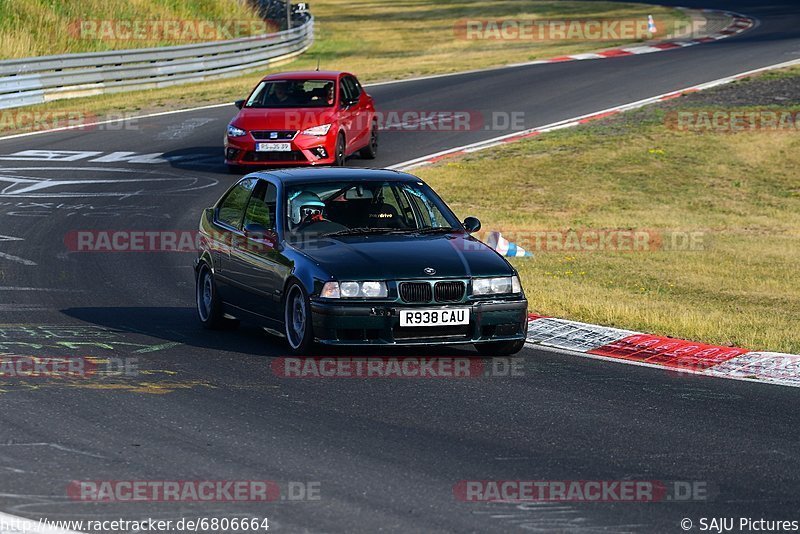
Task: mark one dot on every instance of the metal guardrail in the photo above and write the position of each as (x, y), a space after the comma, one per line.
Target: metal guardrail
(28, 81)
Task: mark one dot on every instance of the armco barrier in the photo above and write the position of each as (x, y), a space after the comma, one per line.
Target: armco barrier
(35, 80)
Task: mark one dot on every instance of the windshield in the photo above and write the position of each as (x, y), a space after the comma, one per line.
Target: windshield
(292, 94)
(359, 207)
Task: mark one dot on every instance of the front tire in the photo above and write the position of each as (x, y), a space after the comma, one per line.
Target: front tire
(500, 348)
(371, 150)
(209, 306)
(340, 155)
(297, 320)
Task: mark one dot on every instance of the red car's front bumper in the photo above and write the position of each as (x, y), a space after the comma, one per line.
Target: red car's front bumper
(304, 149)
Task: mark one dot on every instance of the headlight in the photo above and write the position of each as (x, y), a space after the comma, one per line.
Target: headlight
(233, 131)
(496, 286)
(345, 290)
(317, 130)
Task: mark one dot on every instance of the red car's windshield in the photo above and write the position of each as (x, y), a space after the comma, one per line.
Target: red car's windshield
(292, 94)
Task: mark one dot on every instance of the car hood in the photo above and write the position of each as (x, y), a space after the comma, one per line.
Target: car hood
(282, 118)
(393, 257)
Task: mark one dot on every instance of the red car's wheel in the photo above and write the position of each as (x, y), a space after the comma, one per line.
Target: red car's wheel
(371, 150)
(340, 154)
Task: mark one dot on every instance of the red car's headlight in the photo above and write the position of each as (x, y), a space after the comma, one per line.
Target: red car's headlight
(320, 130)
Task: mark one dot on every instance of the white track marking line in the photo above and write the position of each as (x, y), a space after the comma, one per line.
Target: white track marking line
(43, 289)
(575, 121)
(17, 259)
(10, 257)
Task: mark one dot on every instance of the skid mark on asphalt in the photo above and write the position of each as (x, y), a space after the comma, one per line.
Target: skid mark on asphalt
(55, 446)
(182, 129)
(31, 186)
(548, 517)
(113, 360)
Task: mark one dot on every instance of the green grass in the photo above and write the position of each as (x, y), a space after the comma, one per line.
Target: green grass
(740, 191)
(44, 27)
(375, 40)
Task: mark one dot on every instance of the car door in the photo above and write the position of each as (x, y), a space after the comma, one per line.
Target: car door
(227, 225)
(361, 116)
(257, 264)
(347, 114)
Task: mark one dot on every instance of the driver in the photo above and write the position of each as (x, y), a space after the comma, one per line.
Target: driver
(280, 95)
(307, 213)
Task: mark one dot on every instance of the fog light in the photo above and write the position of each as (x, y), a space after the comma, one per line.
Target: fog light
(319, 152)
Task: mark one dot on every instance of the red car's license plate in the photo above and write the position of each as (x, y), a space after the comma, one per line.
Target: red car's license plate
(273, 147)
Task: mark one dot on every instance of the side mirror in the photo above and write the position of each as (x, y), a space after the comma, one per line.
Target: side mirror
(348, 103)
(472, 224)
(259, 234)
(239, 104)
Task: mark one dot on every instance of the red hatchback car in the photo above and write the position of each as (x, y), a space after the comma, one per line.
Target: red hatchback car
(302, 118)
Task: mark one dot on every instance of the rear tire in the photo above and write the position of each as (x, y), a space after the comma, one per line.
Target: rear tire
(209, 306)
(297, 320)
(500, 348)
(371, 150)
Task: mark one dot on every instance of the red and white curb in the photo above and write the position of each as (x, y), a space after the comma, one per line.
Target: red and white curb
(739, 23)
(625, 346)
(576, 121)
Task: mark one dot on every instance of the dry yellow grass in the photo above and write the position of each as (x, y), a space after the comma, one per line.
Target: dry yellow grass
(43, 27)
(738, 191)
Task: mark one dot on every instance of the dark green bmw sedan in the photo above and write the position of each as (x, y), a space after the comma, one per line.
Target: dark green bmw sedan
(354, 257)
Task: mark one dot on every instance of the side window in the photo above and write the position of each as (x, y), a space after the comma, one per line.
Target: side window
(261, 208)
(429, 215)
(355, 89)
(345, 92)
(392, 197)
(231, 210)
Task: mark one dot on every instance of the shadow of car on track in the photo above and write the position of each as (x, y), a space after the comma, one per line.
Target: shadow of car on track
(198, 159)
(180, 325)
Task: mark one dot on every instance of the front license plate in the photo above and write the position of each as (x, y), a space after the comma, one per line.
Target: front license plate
(439, 317)
(273, 147)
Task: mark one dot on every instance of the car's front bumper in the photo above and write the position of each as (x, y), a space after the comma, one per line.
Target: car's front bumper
(305, 150)
(379, 324)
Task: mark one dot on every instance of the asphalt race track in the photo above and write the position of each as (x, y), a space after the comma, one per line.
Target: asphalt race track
(385, 453)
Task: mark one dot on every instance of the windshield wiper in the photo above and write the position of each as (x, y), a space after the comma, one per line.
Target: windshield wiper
(435, 230)
(363, 230)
